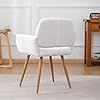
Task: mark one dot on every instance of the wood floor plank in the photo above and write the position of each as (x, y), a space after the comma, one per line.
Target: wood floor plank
(77, 69)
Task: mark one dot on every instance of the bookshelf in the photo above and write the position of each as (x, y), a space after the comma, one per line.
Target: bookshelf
(90, 27)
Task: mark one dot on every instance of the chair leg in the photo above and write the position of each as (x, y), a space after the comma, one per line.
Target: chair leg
(39, 73)
(65, 70)
(51, 65)
(25, 67)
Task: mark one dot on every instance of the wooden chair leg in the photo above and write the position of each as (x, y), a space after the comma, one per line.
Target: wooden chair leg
(65, 70)
(51, 65)
(39, 73)
(25, 67)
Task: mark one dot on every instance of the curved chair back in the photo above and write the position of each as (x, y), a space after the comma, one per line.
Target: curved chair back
(53, 32)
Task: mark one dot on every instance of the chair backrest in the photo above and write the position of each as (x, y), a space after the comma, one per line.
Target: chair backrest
(55, 32)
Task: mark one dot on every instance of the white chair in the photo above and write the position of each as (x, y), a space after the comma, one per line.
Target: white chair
(53, 37)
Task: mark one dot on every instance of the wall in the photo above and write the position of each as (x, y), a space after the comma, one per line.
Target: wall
(23, 15)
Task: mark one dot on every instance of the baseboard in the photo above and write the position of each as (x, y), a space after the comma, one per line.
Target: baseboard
(46, 61)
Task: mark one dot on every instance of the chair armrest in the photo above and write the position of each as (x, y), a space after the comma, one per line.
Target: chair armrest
(27, 44)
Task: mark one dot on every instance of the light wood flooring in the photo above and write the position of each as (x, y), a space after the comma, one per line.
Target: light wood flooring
(77, 69)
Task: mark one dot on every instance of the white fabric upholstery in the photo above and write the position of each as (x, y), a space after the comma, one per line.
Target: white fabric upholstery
(55, 32)
(55, 51)
(27, 44)
(53, 37)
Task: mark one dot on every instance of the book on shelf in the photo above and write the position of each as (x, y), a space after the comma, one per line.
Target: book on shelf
(97, 52)
(96, 56)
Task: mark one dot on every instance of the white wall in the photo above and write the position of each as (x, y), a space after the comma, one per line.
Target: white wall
(23, 15)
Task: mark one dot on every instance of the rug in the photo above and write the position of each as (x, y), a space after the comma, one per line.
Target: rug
(83, 88)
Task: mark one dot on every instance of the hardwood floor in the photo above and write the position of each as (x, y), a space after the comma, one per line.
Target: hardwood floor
(77, 69)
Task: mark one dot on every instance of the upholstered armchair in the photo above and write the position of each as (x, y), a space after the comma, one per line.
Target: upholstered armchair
(53, 37)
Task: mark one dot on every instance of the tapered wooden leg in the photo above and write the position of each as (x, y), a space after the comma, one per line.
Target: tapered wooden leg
(51, 65)
(39, 73)
(25, 67)
(65, 70)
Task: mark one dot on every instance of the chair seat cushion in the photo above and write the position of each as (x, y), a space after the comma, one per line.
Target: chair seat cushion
(55, 51)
